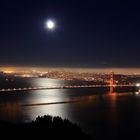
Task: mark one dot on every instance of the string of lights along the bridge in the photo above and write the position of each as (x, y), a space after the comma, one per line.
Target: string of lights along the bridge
(65, 87)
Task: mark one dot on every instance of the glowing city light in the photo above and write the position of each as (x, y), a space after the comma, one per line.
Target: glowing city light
(138, 85)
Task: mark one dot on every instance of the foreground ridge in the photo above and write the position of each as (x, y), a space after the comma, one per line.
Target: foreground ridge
(47, 127)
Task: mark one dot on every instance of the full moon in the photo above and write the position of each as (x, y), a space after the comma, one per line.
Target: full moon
(50, 24)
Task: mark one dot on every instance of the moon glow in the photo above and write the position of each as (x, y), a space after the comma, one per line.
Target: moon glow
(50, 24)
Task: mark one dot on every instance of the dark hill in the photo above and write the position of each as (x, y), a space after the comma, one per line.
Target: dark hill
(46, 127)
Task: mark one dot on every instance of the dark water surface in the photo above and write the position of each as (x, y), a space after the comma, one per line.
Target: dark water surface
(102, 114)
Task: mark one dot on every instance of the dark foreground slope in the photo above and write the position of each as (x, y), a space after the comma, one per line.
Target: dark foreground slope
(46, 127)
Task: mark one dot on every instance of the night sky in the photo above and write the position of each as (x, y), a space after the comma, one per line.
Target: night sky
(90, 33)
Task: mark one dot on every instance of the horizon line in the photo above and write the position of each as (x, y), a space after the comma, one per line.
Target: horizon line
(117, 70)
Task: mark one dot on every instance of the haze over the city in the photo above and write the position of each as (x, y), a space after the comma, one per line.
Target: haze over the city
(89, 70)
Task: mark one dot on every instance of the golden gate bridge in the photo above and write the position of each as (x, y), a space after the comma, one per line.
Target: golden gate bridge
(111, 86)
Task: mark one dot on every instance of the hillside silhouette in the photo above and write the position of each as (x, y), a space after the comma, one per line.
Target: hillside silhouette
(46, 127)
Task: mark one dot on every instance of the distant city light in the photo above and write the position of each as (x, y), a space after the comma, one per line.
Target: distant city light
(136, 93)
(137, 85)
(50, 24)
(8, 71)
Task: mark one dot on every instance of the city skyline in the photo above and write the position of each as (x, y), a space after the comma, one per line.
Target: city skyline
(11, 69)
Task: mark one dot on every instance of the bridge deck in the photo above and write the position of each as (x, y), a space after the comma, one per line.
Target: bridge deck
(63, 87)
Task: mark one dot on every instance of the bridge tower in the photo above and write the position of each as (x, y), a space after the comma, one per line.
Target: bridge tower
(111, 78)
(111, 82)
